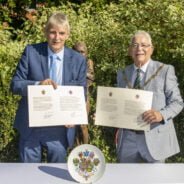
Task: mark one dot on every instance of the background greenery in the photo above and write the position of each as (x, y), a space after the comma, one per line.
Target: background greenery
(106, 27)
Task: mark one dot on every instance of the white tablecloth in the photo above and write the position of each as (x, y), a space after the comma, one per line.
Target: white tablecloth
(18, 173)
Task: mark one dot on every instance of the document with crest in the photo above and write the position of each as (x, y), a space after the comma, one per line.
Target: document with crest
(122, 107)
(62, 106)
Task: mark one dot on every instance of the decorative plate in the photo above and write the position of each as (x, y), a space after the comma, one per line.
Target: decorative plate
(86, 163)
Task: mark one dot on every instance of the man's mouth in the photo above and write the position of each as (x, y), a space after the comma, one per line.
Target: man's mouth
(139, 54)
(56, 42)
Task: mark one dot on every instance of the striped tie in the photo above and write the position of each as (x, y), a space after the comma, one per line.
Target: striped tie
(137, 83)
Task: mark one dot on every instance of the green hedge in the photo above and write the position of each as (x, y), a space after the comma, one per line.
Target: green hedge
(107, 32)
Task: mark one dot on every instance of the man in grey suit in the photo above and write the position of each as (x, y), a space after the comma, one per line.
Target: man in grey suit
(47, 63)
(160, 142)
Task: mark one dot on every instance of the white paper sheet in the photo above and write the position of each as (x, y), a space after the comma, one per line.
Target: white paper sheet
(62, 106)
(122, 107)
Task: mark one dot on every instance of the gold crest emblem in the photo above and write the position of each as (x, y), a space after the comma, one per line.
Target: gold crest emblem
(43, 92)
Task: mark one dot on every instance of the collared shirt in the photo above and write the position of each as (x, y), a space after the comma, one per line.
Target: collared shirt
(59, 64)
(142, 73)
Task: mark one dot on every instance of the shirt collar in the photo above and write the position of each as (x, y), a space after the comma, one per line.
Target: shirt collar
(143, 68)
(59, 55)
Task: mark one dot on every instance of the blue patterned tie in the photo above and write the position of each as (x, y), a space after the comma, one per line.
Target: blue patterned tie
(137, 83)
(53, 68)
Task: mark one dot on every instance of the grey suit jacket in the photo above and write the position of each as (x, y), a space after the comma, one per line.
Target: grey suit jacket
(33, 67)
(161, 140)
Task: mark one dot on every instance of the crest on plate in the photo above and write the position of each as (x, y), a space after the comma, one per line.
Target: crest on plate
(86, 164)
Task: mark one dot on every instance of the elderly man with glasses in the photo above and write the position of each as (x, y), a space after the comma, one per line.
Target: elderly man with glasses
(160, 142)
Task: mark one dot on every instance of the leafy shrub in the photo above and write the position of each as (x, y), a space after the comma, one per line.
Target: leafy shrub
(107, 31)
(9, 55)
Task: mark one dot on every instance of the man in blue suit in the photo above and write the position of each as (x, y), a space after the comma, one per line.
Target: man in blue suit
(160, 142)
(34, 68)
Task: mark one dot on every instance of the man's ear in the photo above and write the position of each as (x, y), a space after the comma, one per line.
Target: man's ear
(68, 35)
(152, 49)
(44, 31)
(129, 51)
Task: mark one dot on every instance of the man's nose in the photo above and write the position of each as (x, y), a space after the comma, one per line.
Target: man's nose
(57, 35)
(139, 47)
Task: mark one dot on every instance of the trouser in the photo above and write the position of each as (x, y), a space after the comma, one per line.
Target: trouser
(52, 139)
(133, 148)
(71, 132)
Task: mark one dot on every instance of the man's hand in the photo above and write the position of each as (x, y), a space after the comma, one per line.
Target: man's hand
(152, 116)
(69, 126)
(49, 82)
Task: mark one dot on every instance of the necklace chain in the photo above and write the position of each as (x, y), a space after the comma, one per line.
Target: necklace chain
(146, 82)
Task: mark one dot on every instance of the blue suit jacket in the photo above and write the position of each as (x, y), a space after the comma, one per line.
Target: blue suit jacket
(33, 66)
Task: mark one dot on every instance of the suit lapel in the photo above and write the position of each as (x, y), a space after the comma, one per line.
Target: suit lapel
(149, 72)
(44, 60)
(67, 69)
(129, 73)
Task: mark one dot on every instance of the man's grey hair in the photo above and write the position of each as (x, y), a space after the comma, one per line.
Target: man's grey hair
(58, 19)
(144, 33)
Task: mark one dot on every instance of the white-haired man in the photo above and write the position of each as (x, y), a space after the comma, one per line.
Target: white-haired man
(160, 142)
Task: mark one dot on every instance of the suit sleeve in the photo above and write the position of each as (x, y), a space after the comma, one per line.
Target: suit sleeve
(79, 73)
(82, 80)
(20, 79)
(82, 74)
(119, 78)
(174, 102)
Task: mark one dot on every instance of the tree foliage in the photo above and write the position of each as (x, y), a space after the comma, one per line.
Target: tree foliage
(106, 30)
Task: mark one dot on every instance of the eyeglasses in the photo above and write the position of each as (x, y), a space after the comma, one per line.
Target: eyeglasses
(142, 45)
(81, 51)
